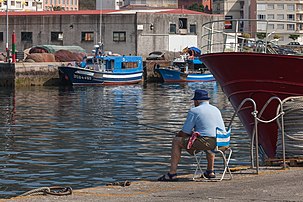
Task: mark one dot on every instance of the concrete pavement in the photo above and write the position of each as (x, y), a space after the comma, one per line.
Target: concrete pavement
(271, 184)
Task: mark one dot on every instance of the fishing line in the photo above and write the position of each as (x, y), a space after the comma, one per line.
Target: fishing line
(138, 124)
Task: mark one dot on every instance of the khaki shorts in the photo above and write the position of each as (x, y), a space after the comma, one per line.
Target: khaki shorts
(201, 144)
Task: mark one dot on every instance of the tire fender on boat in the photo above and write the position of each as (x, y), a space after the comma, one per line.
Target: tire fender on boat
(156, 66)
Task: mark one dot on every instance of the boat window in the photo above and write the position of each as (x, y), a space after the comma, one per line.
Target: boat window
(129, 65)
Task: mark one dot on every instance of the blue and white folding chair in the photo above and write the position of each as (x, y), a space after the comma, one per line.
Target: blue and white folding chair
(222, 147)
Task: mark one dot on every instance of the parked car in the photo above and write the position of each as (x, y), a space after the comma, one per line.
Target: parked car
(294, 43)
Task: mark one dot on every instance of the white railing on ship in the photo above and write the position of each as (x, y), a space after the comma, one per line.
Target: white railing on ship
(214, 33)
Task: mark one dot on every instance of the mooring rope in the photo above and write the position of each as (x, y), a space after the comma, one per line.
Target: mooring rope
(55, 190)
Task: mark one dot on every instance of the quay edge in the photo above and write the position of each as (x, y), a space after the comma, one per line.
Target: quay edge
(46, 73)
(270, 185)
(29, 74)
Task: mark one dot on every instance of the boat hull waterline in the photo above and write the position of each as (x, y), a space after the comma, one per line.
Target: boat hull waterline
(258, 76)
(170, 75)
(80, 76)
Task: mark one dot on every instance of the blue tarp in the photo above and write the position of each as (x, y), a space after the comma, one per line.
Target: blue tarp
(196, 50)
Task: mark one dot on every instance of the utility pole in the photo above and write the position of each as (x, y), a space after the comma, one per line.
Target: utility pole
(6, 45)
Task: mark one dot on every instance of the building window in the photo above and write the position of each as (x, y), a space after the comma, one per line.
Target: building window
(290, 17)
(270, 6)
(119, 36)
(290, 7)
(1, 36)
(280, 6)
(12, 3)
(56, 36)
(182, 23)
(280, 26)
(270, 16)
(87, 36)
(18, 4)
(271, 26)
(261, 7)
(192, 29)
(290, 27)
(172, 28)
(27, 36)
(280, 16)
(261, 17)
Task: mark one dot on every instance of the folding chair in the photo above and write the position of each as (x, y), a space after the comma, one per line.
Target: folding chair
(222, 147)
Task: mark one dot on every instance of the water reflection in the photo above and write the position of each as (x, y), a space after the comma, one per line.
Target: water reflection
(89, 136)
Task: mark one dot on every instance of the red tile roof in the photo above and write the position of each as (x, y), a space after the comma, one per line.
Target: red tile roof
(183, 11)
(98, 12)
(81, 12)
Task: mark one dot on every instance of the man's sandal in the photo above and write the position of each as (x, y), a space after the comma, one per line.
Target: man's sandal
(209, 174)
(168, 178)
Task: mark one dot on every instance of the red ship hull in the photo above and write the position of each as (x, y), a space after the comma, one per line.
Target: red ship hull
(258, 76)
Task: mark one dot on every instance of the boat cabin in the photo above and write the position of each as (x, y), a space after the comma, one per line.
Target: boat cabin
(115, 63)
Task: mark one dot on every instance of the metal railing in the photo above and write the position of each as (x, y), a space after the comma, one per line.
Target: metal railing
(259, 33)
(257, 119)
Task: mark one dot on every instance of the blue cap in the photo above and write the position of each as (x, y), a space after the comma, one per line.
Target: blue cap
(201, 95)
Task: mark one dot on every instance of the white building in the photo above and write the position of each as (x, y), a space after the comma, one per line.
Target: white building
(290, 10)
(109, 4)
(22, 5)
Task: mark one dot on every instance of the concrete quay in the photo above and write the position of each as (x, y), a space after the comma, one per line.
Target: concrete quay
(271, 184)
(29, 74)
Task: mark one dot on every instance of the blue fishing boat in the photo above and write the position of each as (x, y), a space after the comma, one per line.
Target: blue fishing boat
(103, 69)
(185, 69)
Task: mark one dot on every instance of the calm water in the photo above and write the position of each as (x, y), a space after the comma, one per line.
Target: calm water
(89, 136)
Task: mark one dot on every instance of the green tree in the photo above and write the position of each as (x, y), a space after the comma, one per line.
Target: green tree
(276, 36)
(246, 35)
(294, 36)
(57, 8)
(196, 7)
(261, 35)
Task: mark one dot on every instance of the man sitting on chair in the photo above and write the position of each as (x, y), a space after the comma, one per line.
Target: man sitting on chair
(198, 133)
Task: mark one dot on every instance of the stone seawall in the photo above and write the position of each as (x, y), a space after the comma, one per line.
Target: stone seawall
(29, 74)
(7, 74)
(46, 73)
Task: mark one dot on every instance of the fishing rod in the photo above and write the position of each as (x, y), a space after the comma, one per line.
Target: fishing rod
(139, 124)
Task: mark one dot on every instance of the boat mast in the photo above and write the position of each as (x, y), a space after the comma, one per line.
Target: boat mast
(100, 27)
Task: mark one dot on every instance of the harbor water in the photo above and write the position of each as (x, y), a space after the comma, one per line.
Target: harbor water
(89, 136)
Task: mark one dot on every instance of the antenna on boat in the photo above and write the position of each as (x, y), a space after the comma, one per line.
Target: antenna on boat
(100, 43)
